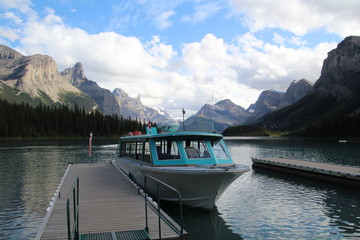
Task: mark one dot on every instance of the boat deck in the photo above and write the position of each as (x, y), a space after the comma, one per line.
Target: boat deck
(109, 203)
(331, 172)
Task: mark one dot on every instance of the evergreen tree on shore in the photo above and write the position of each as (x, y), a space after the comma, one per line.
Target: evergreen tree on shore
(342, 127)
(23, 120)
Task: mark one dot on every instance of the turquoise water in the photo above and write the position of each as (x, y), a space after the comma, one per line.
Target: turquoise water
(258, 205)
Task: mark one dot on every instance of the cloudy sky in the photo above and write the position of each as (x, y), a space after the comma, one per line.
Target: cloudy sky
(183, 53)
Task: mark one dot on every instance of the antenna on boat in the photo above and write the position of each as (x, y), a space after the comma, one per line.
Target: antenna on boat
(212, 105)
(183, 112)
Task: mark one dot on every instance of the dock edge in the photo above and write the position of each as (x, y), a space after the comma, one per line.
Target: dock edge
(323, 173)
(49, 210)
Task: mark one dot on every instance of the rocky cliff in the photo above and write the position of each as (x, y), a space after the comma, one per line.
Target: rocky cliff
(337, 91)
(103, 97)
(271, 100)
(296, 91)
(38, 78)
(340, 74)
(267, 101)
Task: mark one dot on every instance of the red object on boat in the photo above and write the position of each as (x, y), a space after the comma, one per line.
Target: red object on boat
(134, 133)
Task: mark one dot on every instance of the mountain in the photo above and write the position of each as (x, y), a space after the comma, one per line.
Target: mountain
(271, 100)
(135, 109)
(35, 79)
(227, 114)
(336, 92)
(103, 97)
(267, 101)
(222, 115)
(296, 91)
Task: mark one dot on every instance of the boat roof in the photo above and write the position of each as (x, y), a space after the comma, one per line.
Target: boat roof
(175, 136)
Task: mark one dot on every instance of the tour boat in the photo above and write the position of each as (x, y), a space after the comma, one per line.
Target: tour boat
(197, 164)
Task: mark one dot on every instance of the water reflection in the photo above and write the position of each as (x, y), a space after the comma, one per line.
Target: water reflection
(30, 172)
(329, 151)
(269, 205)
(202, 225)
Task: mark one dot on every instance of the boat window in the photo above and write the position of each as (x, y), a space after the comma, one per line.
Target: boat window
(137, 150)
(219, 150)
(167, 149)
(127, 149)
(133, 150)
(121, 149)
(146, 151)
(196, 149)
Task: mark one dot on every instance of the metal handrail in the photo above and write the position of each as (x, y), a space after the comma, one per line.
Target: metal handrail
(74, 194)
(158, 210)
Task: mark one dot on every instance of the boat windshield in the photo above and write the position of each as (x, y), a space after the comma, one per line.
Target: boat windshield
(196, 149)
(219, 150)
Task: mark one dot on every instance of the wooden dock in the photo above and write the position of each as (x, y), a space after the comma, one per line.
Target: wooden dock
(329, 172)
(108, 203)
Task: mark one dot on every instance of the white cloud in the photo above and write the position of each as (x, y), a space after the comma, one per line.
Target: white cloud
(163, 20)
(23, 6)
(249, 66)
(301, 16)
(12, 17)
(8, 33)
(204, 11)
(155, 12)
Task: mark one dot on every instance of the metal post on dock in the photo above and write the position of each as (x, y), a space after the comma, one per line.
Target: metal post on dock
(158, 199)
(90, 145)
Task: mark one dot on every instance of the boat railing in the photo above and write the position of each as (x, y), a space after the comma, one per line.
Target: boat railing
(73, 231)
(158, 210)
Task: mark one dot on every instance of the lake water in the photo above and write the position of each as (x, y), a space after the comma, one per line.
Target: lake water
(259, 205)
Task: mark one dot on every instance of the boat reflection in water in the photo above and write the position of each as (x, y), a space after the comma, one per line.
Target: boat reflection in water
(200, 225)
(197, 164)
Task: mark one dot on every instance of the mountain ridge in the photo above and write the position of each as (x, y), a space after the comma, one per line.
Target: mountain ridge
(37, 77)
(103, 97)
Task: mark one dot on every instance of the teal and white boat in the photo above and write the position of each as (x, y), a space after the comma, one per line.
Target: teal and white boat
(197, 164)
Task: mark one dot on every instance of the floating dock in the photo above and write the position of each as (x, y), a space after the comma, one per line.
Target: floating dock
(329, 172)
(109, 205)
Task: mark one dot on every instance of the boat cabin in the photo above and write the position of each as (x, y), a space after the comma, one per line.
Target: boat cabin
(180, 148)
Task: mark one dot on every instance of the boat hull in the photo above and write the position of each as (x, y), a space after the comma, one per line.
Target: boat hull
(199, 186)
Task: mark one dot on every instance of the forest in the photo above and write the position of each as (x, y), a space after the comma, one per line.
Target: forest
(23, 120)
(342, 126)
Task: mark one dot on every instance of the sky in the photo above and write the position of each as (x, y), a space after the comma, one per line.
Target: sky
(180, 53)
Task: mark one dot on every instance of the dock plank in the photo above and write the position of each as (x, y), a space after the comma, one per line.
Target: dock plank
(108, 203)
(348, 175)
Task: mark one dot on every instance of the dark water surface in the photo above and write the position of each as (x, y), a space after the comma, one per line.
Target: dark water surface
(258, 205)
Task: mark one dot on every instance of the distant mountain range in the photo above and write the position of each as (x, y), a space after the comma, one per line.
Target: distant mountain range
(35, 79)
(218, 117)
(135, 109)
(225, 113)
